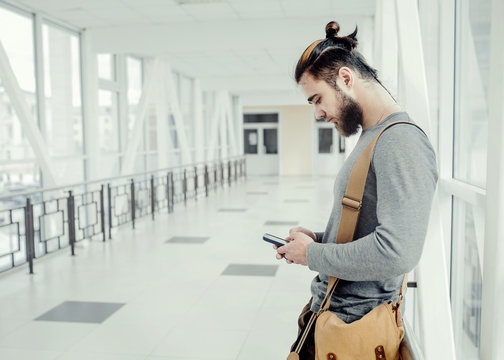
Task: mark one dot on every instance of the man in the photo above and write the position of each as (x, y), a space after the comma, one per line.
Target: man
(393, 221)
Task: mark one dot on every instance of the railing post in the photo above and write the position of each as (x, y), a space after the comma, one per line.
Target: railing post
(196, 183)
(133, 202)
(229, 172)
(172, 192)
(215, 177)
(244, 167)
(71, 221)
(206, 180)
(153, 196)
(236, 170)
(109, 210)
(168, 192)
(102, 210)
(222, 174)
(184, 186)
(29, 238)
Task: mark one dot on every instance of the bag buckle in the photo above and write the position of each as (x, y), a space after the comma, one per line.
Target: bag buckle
(351, 203)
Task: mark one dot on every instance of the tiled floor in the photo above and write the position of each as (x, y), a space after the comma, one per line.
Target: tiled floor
(196, 284)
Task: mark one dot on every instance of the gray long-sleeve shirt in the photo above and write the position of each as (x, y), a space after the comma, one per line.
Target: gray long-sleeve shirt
(392, 224)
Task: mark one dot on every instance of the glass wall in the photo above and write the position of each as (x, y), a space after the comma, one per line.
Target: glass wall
(62, 125)
(471, 90)
(470, 136)
(18, 167)
(468, 233)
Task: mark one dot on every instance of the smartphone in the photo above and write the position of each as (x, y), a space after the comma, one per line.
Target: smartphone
(274, 239)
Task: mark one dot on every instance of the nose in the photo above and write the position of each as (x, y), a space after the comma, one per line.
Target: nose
(319, 113)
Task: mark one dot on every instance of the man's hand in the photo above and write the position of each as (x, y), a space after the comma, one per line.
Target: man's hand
(295, 250)
(304, 231)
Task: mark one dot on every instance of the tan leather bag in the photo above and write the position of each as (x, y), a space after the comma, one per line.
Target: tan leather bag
(378, 335)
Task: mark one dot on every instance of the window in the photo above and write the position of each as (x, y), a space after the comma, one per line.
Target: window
(62, 97)
(260, 118)
(270, 139)
(472, 56)
(325, 140)
(16, 36)
(134, 68)
(108, 121)
(106, 66)
(467, 240)
(471, 84)
(250, 143)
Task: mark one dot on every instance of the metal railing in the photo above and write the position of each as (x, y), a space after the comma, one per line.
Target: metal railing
(56, 218)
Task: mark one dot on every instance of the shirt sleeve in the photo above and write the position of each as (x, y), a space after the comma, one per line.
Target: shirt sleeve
(406, 175)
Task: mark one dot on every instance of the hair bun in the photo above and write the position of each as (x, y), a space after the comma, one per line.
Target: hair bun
(332, 29)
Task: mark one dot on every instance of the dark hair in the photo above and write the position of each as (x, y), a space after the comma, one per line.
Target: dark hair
(323, 58)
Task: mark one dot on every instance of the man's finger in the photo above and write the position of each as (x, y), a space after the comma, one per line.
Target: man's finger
(293, 230)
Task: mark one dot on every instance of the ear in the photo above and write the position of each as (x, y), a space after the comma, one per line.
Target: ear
(346, 77)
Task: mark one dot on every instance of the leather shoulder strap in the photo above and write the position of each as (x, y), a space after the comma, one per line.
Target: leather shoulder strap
(352, 203)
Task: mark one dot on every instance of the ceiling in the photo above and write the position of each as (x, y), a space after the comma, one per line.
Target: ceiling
(247, 47)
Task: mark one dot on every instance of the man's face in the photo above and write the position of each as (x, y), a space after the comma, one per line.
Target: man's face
(332, 105)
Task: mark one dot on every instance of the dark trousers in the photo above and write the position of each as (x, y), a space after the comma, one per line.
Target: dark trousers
(308, 349)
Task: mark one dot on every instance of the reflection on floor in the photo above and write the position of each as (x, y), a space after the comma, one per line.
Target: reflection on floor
(196, 284)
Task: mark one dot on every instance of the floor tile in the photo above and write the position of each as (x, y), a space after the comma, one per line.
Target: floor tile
(250, 270)
(47, 336)
(97, 356)
(23, 354)
(280, 223)
(132, 339)
(232, 210)
(81, 312)
(201, 344)
(296, 201)
(188, 239)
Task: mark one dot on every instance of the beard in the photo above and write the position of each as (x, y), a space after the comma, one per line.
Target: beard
(350, 117)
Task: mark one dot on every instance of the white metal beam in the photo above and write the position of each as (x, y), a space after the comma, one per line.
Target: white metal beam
(214, 127)
(238, 108)
(199, 126)
(230, 117)
(221, 99)
(29, 125)
(89, 66)
(143, 104)
(175, 110)
(164, 140)
(433, 292)
(492, 312)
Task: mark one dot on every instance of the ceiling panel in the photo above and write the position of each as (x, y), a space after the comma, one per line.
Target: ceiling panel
(163, 14)
(82, 18)
(251, 10)
(293, 8)
(120, 16)
(212, 11)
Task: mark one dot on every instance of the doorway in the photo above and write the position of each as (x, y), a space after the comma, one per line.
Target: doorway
(260, 139)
